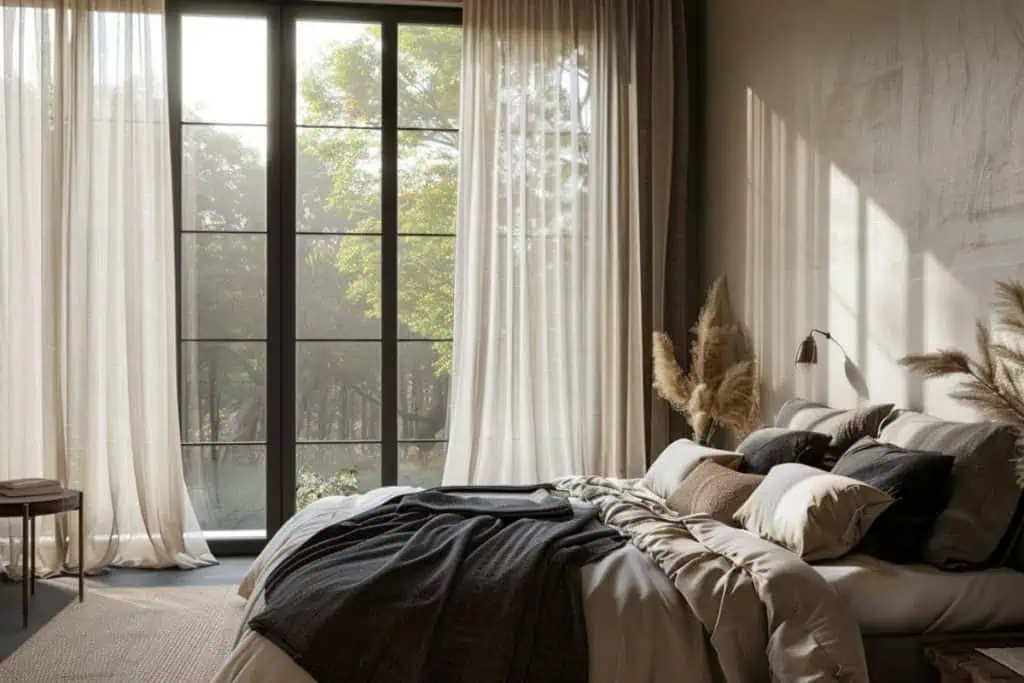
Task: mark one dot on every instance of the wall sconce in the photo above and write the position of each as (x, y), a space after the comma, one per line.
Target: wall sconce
(807, 352)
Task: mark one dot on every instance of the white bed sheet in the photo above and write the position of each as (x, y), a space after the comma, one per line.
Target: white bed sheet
(891, 599)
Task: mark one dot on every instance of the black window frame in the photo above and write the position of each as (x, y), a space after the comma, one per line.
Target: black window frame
(281, 17)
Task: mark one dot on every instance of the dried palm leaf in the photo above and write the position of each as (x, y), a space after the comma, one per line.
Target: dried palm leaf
(938, 363)
(1009, 306)
(992, 404)
(1009, 384)
(986, 367)
(1006, 353)
(993, 384)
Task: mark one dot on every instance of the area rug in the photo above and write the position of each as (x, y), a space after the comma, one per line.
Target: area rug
(177, 634)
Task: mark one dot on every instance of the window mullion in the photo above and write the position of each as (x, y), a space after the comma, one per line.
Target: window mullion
(281, 275)
(389, 252)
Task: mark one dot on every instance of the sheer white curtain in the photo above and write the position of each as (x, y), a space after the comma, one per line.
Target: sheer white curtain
(548, 362)
(87, 336)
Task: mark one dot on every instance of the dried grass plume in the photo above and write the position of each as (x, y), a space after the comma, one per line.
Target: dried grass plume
(992, 383)
(718, 390)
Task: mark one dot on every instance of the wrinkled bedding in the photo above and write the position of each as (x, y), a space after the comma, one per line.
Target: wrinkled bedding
(686, 595)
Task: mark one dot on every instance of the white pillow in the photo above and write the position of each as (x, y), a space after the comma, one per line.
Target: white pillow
(678, 460)
(817, 515)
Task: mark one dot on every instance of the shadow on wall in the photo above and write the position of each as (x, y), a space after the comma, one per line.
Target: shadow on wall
(863, 177)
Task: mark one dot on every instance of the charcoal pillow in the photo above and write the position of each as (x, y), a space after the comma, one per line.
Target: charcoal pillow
(984, 496)
(844, 426)
(816, 514)
(678, 460)
(765, 448)
(920, 483)
(713, 490)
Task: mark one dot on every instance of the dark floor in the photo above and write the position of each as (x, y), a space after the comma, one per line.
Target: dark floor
(50, 600)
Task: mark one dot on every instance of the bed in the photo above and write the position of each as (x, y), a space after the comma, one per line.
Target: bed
(901, 609)
(688, 595)
(915, 599)
(712, 596)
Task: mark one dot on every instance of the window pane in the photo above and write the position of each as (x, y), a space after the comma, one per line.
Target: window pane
(426, 287)
(339, 74)
(338, 287)
(223, 391)
(429, 62)
(225, 178)
(224, 69)
(338, 180)
(228, 487)
(337, 391)
(421, 464)
(424, 373)
(428, 175)
(223, 286)
(335, 470)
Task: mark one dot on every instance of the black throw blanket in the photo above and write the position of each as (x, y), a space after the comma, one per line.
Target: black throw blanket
(441, 586)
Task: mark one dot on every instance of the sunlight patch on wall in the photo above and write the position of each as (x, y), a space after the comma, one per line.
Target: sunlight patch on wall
(844, 281)
(951, 308)
(885, 327)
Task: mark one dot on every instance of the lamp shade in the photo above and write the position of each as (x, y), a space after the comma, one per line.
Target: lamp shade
(807, 352)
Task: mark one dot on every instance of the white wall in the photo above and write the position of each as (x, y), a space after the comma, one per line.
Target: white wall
(865, 175)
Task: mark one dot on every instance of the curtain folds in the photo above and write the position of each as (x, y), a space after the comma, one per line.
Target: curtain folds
(568, 148)
(87, 330)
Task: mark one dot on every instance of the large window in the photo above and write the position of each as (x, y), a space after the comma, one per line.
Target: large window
(316, 155)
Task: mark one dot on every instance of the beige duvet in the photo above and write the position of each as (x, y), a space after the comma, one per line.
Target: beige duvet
(687, 600)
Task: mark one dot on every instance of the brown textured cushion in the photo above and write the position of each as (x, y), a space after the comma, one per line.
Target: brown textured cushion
(845, 427)
(678, 460)
(984, 495)
(713, 490)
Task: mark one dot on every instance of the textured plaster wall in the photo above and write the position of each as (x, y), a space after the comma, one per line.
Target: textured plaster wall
(864, 174)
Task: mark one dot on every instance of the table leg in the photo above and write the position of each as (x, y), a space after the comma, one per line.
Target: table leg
(81, 547)
(24, 565)
(32, 553)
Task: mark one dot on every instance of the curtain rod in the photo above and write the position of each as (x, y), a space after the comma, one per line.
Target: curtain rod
(401, 3)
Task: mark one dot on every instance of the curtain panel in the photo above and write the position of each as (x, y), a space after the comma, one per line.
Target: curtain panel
(88, 388)
(572, 136)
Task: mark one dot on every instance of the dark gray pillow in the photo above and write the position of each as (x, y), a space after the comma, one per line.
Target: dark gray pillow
(984, 490)
(844, 426)
(919, 481)
(765, 448)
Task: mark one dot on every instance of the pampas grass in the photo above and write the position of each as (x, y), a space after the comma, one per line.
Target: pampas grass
(992, 383)
(718, 391)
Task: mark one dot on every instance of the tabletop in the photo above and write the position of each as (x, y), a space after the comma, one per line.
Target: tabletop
(963, 662)
(44, 504)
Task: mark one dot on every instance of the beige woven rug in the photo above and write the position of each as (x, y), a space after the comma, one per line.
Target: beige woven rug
(176, 634)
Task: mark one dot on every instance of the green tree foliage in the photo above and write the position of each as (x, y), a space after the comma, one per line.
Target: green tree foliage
(338, 284)
(343, 87)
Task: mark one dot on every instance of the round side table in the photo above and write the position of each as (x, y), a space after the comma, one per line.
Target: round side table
(28, 508)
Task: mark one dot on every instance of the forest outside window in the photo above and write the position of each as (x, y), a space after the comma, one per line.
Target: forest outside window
(316, 253)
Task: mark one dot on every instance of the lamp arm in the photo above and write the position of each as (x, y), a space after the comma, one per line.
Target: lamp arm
(828, 336)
